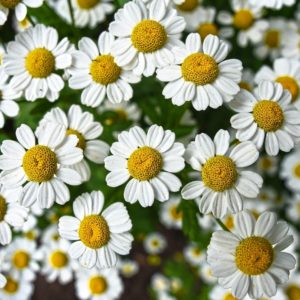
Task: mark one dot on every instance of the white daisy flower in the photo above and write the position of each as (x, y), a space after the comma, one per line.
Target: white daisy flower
(20, 26)
(247, 81)
(12, 214)
(266, 117)
(21, 259)
(292, 287)
(194, 255)
(286, 72)
(146, 36)
(200, 74)
(291, 47)
(205, 274)
(82, 125)
(128, 268)
(273, 4)
(148, 160)
(19, 6)
(50, 234)
(33, 60)
(267, 164)
(41, 168)
(160, 283)
(110, 231)
(99, 284)
(251, 261)
(155, 243)
(57, 264)
(246, 20)
(224, 184)
(293, 209)
(170, 215)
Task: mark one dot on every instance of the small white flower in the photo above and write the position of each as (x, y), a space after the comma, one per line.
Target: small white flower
(170, 215)
(251, 261)
(200, 74)
(273, 4)
(160, 283)
(291, 47)
(148, 160)
(206, 274)
(128, 268)
(194, 255)
(155, 243)
(224, 184)
(293, 209)
(98, 237)
(267, 164)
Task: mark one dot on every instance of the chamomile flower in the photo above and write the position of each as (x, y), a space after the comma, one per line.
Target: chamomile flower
(160, 283)
(194, 255)
(292, 287)
(19, 6)
(286, 72)
(20, 26)
(266, 117)
(12, 214)
(267, 164)
(82, 125)
(41, 168)
(148, 160)
(247, 81)
(128, 268)
(224, 184)
(146, 36)
(273, 4)
(33, 60)
(291, 47)
(98, 237)
(50, 234)
(200, 74)
(218, 293)
(155, 243)
(98, 284)
(205, 274)
(57, 264)
(251, 261)
(293, 209)
(170, 215)
(246, 20)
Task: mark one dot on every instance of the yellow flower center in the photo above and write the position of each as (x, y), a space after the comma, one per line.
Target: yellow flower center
(58, 259)
(290, 84)
(40, 163)
(243, 19)
(30, 235)
(254, 255)
(98, 285)
(297, 170)
(272, 38)
(245, 85)
(219, 173)
(265, 163)
(188, 5)
(229, 296)
(81, 140)
(104, 70)
(197, 252)
(229, 222)
(120, 115)
(3, 208)
(21, 259)
(11, 286)
(200, 69)
(144, 163)
(94, 231)
(87, 4)
(9, 3)
(175, 213)
(268, 115)
(148, 36)
(207, 28)
(293, 292)
(40, 63)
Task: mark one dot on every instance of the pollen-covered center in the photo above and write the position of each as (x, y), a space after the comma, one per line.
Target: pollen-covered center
(219, 173)
(104, 70)
(200, 69)
(9, 3)
(39, 163)
(58, 259)
(290, 84)
(245, 85)
(175, 213)
(3, 208)
(297, 170)
(268, 115)
(148, 36)
(21, 259)
(81, 140)
(243, 19)
(229, 296)
(40, 63)
(144, 163)
(98, 285)
(87, 4)
(188, 5)
(293, 292)
(272, 38)
(11, 286)
(207, 28)
(254, 255)
(94, 231)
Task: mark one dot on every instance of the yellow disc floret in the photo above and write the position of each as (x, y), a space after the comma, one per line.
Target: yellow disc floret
(175, 213)
(293, 292)
(9, 3)
(272, 38)
(94, 231)
(229, 296)
(297, 170)
(40, 63)
(11, 286)
(58, 259)
(268, 115)
(3, 208)
(97, 285)
(200, 69)
(104, 70)
(144, 163)
(207, 28)
(219, 173)
(254, 255)
(148, 36)
(87, 4)
(245, 85)
(243, 19)
(290, 84)
(40, 163)
(81, 140)
(188, 5)
(21, 259)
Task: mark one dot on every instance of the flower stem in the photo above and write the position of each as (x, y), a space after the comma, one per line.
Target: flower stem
(71, 13)
(222, 224)
(29, 18)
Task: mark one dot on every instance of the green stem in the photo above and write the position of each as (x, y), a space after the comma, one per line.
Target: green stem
(30, 20)
(71, 13)
(222, 224)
